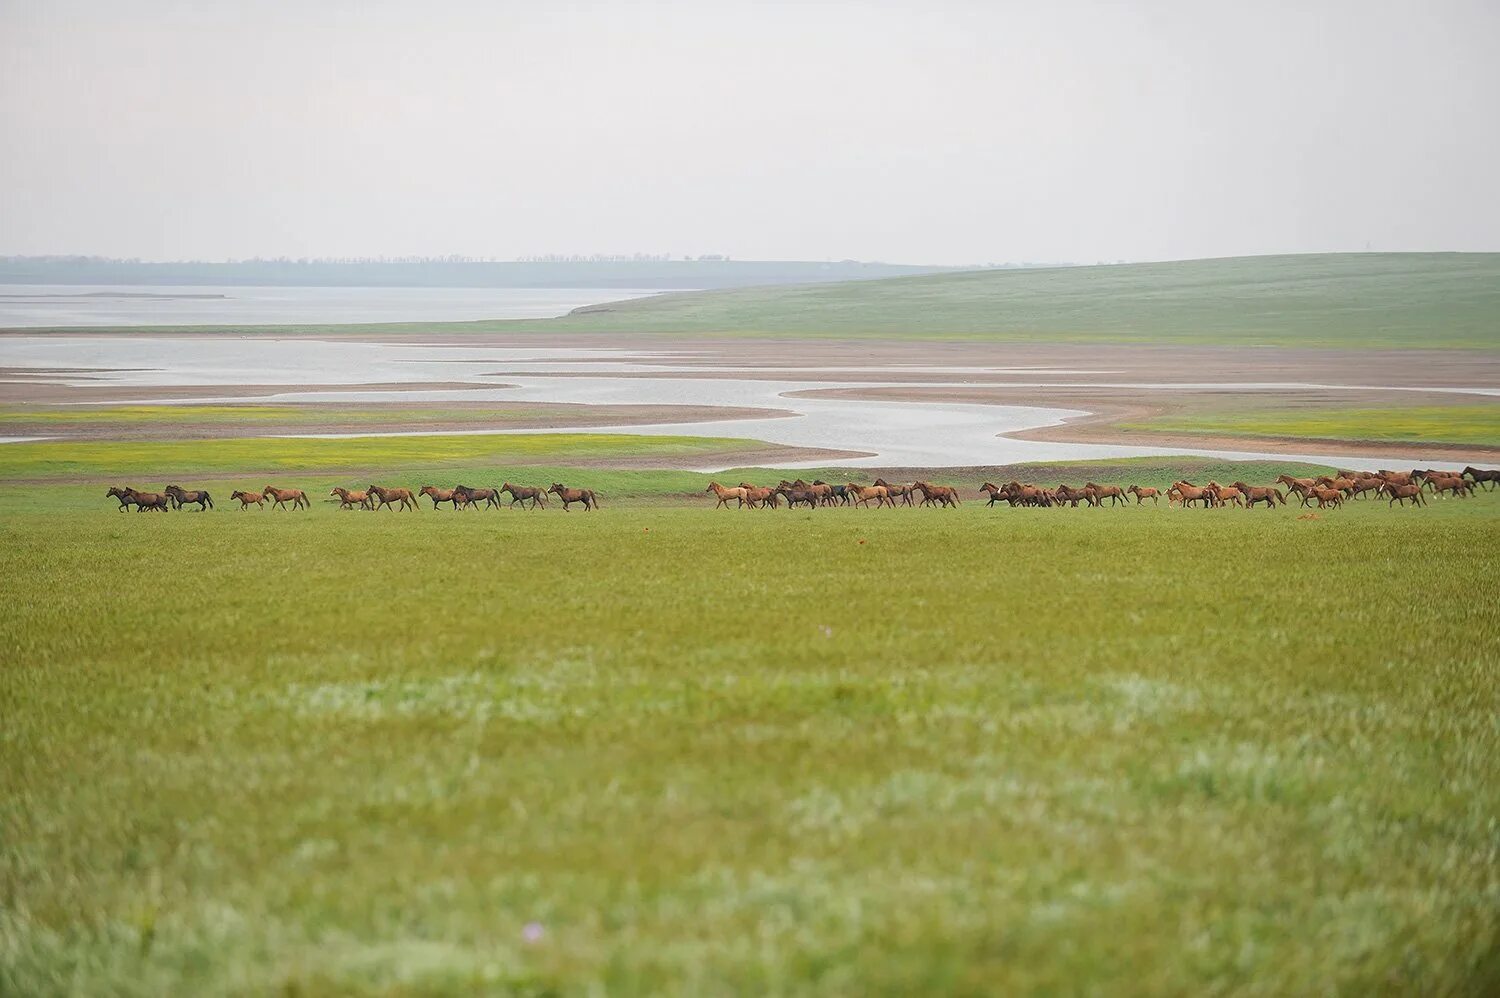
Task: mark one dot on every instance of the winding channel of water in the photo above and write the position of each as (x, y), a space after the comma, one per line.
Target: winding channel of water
(883, 433)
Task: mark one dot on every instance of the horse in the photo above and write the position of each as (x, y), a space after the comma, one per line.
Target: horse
(1186, 492)
(937, 495)
(902, 492)
(158, 502)
(764, 498)
(402, 498)
(1456, 484)
(994, 492)
(490, 497)
(741, 495)
(1267, 494)
(181, 497)
(1328, 497)
(520, 493)
(837, 494)
(1226, 495)
(438, 495)
(1374, 483)
(246, 498)
(862, 494)
(123, 494)
(1113, 493)
(797, 495)
(349, 499)
(1298, 485)
(280, 497)
(1482, 475)
(569, 496)
(1397, 477)
(1404, 493)
(1070, 495)
(1142, 493)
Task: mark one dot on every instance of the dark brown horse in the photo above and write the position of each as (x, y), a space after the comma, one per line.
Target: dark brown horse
(490, 497)
(795, 495)
(764, 498)
(123, 494)
(280, 497)
(246, 498)
(401, 498)
(521, 493)
(936, 495)
(1481, 475)
(181, 497)
(1270, 495)
(569, 496)
(158, 502)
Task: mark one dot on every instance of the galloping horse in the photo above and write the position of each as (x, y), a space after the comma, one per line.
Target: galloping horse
(122, 493)
(741, 495)
(1455, 484)
(389, 497)
(937, 495)
(764, 498)
(280, 497)
(438, 495)
(349, 499)
(1145, 493)
(862, 495)
(520, 493)
(1113, 493)
(1068, 494)
(1183, 493)
(795, 495)
(181, 497)
(1328, 497)
(490, 497)
(902, 492)
(1482, 475)
(1405, 493)
(1370, 483)
(1260, 493)
(246, 498)
(569, 496)
(157, 501)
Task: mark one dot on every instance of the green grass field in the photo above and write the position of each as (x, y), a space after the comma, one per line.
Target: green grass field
(1352, 300)
(661, 749)
(1463, 424)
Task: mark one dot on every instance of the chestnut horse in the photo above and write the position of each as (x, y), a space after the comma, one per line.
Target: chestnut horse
(157, 501)
(1070, 495)
(741, 495)
(438, 495)
(391, 497)
(1455, 484)
(1145, 493)
(757, 496)
(246, 498)
(280, 497)
(520, 493)
(181, 497)
(1405, 493)
(862, 494)
(349, 499)
(1267, 494)
(1183, 493)
(569, 496)
(1113, 493)
(937, 495)
(902, 492)
(1328, 497)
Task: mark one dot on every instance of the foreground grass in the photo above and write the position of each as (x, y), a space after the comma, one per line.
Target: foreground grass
(115, 460)
(1465, 424)
(672, 750)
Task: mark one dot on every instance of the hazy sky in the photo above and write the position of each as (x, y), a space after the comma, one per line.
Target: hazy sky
(934, 132)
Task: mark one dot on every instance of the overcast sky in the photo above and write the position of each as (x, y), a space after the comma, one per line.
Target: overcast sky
(931, 132)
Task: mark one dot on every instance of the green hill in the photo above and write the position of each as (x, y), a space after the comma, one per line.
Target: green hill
(1343, 300)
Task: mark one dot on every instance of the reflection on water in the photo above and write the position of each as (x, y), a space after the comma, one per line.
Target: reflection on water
(925, 434)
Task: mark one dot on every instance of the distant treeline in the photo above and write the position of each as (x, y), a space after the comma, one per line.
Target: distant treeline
(639, 271)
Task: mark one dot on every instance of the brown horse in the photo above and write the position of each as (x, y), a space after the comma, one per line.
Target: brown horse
(1183, 493)
(1224, 495)
(862, 494)
(348, 499)
(740, 496)
(757, 496)
(936, 495)
(569, 496)
(1296, 484)
(1397, 477)
(520, 493)
(798, 495)
(401, 498)
(490, 497)
(1481, 475)
(1454, 484)
(1328, 497)
(1373, 483)
(1113, 493)
(123, 494)
(158, 502)
(1146, 492)
(181, 497)
(280, 497)
(438, 495)
(902, 492)
(246, 498)
(1070, 495)
(1411, 493)
(1260, 493)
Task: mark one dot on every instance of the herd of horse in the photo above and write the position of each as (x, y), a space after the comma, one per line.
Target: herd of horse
(821, 493)
(373, 497)
(1324, 491)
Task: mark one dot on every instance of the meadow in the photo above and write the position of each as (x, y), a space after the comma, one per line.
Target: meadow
(1357, 301)
(662, 749)
(1477, 425)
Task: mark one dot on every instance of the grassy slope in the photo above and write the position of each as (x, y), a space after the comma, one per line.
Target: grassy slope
(1461, 424)
(1338, 300)
(1133, 750)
